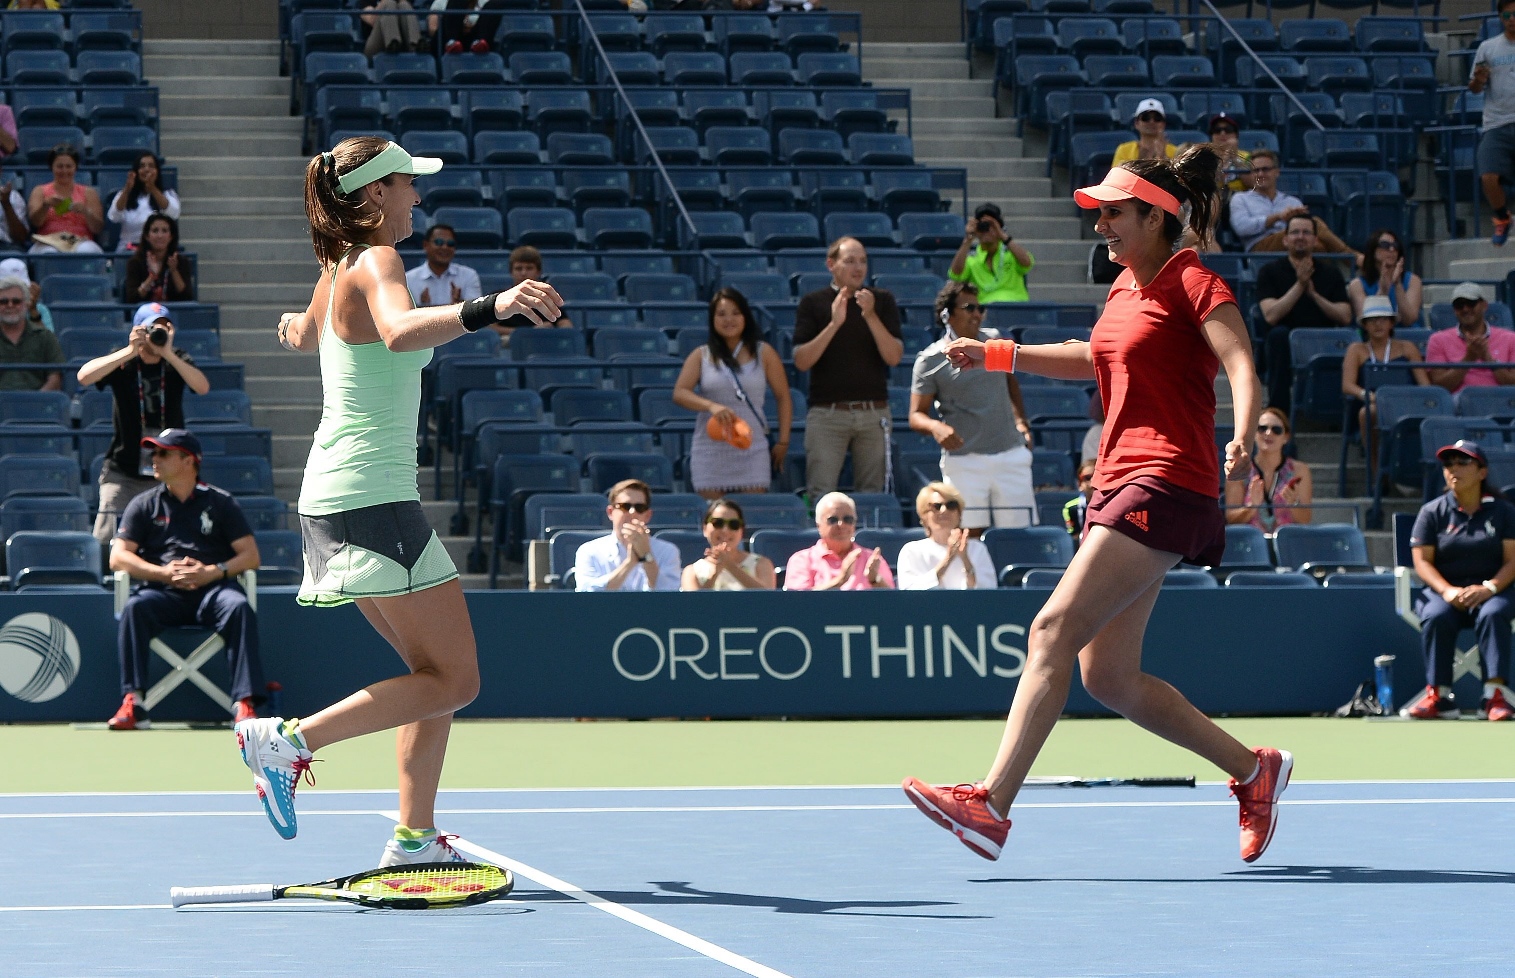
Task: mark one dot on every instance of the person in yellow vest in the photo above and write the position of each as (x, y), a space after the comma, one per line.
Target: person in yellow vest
(991, 260)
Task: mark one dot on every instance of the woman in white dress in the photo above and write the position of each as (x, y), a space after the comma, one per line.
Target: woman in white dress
(948, 559)
(726, 566)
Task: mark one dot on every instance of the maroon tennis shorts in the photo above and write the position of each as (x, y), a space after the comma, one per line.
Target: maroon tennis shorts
(1163, 516)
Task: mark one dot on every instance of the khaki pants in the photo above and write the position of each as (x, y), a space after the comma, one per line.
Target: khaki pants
(116, 490)
(404, 30)
(830, 432)
(1329, 242)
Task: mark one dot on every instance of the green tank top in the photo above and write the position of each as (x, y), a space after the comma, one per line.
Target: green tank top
(365, 447)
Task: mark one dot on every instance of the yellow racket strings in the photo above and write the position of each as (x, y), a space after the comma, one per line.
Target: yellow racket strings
(436, 884)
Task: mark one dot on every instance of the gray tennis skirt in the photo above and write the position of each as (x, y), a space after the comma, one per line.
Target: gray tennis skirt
(374, 552)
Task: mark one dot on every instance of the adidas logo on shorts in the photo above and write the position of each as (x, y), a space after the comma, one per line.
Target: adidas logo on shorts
(1138, 518)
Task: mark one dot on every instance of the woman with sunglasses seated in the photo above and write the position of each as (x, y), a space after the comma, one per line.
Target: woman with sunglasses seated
(726, 566)
(1280, 489)
(1378, 345)
(1463, 548)
(1384, 273)
(836, 562)
(948, 559)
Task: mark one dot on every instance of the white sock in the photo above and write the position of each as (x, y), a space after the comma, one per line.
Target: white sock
(1003, 817)
(1256, 770)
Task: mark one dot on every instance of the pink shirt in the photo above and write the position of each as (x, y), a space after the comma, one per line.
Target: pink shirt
(1448, 346)
(818, 565)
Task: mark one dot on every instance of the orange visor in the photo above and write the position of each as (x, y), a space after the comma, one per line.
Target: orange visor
(1122, 184)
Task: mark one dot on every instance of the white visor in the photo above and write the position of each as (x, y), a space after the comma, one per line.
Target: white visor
(391, 159)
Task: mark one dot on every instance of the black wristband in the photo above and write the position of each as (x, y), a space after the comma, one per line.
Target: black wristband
(478, 313)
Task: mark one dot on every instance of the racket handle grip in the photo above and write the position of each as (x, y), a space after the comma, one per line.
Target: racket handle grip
(250, 893)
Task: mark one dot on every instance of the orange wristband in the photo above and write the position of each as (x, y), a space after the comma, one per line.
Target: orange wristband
(1000, 355)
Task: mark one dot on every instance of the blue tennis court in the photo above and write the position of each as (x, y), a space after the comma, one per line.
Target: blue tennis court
(776, 882)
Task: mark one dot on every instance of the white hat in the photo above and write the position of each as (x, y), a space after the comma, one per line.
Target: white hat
(14, 268)
(1149, 105)
(1376, 307)
(1467, 290)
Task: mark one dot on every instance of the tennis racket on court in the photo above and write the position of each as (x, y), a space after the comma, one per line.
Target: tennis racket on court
(1072, 782)
(425, 887)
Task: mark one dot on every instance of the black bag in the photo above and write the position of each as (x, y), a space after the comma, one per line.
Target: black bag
(1364, 703)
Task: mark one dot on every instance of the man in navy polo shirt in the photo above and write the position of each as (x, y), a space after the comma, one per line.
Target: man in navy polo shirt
(186, 542)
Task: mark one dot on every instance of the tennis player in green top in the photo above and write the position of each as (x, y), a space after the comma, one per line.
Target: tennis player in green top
(366, 538)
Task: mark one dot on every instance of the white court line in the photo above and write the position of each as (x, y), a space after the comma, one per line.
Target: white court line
(100, 906)
(696, 944)
(669, 788)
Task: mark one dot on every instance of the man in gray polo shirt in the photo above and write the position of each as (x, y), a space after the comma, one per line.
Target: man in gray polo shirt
(983, 429)
(1494, 77)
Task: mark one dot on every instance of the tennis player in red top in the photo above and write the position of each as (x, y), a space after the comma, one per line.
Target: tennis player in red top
(1168, 324)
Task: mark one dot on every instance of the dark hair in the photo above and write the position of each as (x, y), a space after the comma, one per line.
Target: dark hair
(946, 299)
(62, 149)
(989, 210)
(752, 333)
(438, 227)
(1193, 177)
(526, 255)
(723, 503)
(137, 191)
(338, 219)
(1370, 250)
(1503, 4)
(138, 259)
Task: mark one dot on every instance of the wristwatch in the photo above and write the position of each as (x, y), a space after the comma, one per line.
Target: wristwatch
(1493, 588)
(644, 558)
(225, 572)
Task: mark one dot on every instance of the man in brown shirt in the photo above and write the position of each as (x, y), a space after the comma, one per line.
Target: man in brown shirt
(847, 337)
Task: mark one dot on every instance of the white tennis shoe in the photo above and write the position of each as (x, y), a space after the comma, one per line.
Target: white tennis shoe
(276, 763)
(436, 850)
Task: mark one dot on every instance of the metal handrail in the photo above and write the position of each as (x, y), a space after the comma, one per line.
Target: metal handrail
(1261, 64)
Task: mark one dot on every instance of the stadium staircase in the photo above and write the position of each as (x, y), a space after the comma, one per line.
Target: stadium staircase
(226, 124)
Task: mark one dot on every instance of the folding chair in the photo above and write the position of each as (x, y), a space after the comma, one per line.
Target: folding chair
(187, 667)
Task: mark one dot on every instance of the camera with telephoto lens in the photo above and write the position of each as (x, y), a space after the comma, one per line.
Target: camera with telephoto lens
(157, 336)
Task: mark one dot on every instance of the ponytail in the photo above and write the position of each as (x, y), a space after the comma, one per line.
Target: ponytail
(1193, 177)
(338, 219)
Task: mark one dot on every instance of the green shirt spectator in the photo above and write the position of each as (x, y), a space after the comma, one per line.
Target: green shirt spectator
(24, 342)
(991, 260)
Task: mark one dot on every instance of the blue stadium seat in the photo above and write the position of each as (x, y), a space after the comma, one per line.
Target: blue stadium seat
(607, 469)
(218, 407)
(630, 67)
(881, 149)
(755, 191)
(105, 30)
(798, 34)
(44, 514)
(35, 407)
(1196, 108)
(853, 111)
(579, 149)
(675, 145)
(37, 68)
(773, 511)
(1317, 34)
(629, 341)
(450, 147)
(121, 145)
(1116, 71)
(350, 108)
(878, 510)
(1019, 549)
(752, 69)
(1153, 37)
(675, 32)
(811, 147)
(617, 32)
(328, 68)
(1332, 149)
(760, 290)
(321, 31)
(930, 232)
(618, 266)
(96, 68)
(1335, 75)
(778, 545)
(405, 69)
(684, 69)
(584, 287)
(34, 143)
(474, 227)
(918, 288)
(872, 230)
(83, 343)
(713, 229)
(240, 475)
(716, 107)
(771, 231)
(1083, 36)
(543, 227)
(451, 188)
(1414, 79)
(202, 347)
(780, 110)
(556, 344)
(1183, 71)
(535, 68)
(549, 111)
(420, 108)
(468, 68)
(618, 227)
(1387, 34)
(37, 557)
(34, 32)
(597, 188)
(508, 148)
(526, 32)
(572, 405)
(1287, 69)
(1321, 549)
(908, 191)
(45, 106)
(77, 288)
(819, 69)
(743, 32)
(738, 146)
(643, 288)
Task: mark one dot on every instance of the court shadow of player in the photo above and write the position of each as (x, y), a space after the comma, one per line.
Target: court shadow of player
(1293, 874)
(686, 894)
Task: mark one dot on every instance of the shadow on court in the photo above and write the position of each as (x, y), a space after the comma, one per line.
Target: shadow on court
(670, 893)
(1293, 874)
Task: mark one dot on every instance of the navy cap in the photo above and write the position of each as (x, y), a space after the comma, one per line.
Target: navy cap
(1463, 446)
(150, 312)
(184, 441)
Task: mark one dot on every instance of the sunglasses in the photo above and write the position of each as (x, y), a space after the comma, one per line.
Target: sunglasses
(1151, 117)
(1507, 15)
(946, 506)
(161, 452)
(632, 507)
(1270, 429)
(1448, 463)
(849, 520)
(444, 242)
(12, 302)
(971, 307)
(1464, 303)
(1388, 245)
(722, 523)
(1264, 169)
(1223, 131)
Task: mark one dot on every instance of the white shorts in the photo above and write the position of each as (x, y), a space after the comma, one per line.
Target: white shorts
(999, 484)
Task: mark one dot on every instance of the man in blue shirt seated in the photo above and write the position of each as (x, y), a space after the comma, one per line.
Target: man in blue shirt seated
(627, 558)
(186, 542)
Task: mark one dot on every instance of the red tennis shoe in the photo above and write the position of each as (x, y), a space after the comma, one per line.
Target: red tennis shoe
(962, 810)
(245, 710)
(1259, 800)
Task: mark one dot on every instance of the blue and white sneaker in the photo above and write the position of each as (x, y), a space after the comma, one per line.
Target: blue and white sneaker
(277, 763)
(427, 850)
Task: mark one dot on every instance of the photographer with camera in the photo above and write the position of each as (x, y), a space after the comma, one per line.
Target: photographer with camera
(996, 265)
(156, 271)
(147, 377)
(22, 341)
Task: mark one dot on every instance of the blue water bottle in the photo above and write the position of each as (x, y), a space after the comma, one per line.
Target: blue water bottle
(1383, 674)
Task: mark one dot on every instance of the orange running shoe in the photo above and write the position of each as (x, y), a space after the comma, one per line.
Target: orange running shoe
(962, 810)
(131, 716)
(245, 710)
(1496, 705)
(1259, 800)
(1432, 706)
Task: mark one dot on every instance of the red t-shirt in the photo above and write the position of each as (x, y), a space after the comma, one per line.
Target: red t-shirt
(1156, 375)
